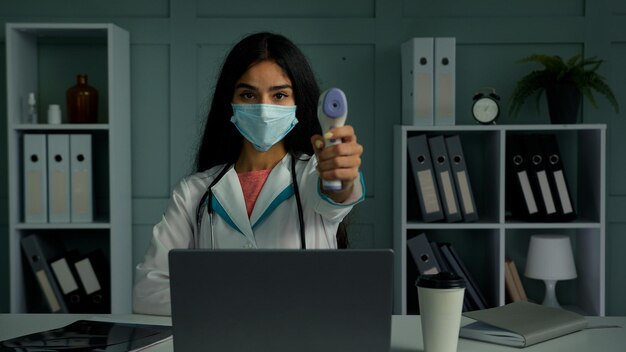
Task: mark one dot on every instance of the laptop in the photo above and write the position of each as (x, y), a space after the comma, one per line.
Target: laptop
(281, 300)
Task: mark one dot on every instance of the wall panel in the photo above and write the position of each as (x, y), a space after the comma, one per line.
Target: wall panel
(286, 9)
(80, 9)
(491, 8)
(150, 111)
(616, 168)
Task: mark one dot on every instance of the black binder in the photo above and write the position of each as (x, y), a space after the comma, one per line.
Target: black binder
(94, 278)
(520, 197)
(556, 177)
(538, 175)
(67, 279)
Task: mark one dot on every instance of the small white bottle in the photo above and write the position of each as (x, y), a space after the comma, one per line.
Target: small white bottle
(32, 108)
(54, 114)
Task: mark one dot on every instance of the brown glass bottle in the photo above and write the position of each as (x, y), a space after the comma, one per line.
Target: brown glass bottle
(82, 102)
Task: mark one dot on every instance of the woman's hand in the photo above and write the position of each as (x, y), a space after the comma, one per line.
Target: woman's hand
(338, 162)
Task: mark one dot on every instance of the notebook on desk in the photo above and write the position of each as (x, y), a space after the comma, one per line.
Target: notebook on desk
(281, 300)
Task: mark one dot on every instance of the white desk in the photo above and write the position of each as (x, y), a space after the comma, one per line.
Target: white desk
(405, 335)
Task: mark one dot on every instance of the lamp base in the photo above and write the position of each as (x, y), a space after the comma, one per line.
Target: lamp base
(550, 297)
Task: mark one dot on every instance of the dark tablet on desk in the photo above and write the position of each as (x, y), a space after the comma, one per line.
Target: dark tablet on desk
(87, 335)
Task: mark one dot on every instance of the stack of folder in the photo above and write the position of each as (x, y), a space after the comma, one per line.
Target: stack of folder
(537, 189)
(428, 81)
(441, 179)
(57, 178)
(433, 257)
(69, 282)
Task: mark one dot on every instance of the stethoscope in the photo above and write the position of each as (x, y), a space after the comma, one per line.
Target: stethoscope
(207, 198)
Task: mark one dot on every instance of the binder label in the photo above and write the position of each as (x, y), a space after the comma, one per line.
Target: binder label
(545, 192)
(47, 291)
(34, 192)
(80, 194)
(423, 100)
(448, 193)
(427, 186)
(444, 98)
(64, 276)
(527, 191)
(58, 187)
(87, 276)
(465, 192)
(563, 193)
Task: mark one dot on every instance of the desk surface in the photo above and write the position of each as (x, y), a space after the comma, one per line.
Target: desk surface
(405, 336)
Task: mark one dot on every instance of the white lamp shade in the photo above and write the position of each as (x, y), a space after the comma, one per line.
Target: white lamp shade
(550, 258)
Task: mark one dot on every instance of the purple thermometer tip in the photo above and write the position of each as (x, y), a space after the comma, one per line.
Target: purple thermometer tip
(335, 104)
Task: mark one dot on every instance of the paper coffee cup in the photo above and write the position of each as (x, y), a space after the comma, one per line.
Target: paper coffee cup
(441, 304)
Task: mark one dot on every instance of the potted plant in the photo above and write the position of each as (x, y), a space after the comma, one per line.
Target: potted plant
(564, 82)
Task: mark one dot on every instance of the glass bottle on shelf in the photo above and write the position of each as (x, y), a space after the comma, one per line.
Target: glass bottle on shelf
(82, 102)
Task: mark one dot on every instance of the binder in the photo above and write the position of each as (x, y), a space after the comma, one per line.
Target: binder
(556, 177)
(461, 178)
(443, 264)
(538, 176)
(66, 277)
(423, 173)
(520, 196)
(445, 81)
(471, 290)
(37, 252)
(423, 255)
(35, 189)
(81, 166)
(445, 182)
(417, 81)
(59, 178)
(94, 279)
(477, 293)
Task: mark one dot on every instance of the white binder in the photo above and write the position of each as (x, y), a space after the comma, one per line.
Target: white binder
(81, 178)
(417, 81)
(35, 179)
(59, 178)
(445, 80)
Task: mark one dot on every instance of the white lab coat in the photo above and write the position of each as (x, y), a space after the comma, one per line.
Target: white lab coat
(272, 224)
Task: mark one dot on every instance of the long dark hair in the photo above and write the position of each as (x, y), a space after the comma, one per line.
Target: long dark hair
(221, 142)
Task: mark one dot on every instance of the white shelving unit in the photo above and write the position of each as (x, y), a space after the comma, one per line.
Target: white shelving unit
(484, 244)
(45, 58)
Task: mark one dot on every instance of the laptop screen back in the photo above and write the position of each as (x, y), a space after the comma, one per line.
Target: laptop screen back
(281, 300)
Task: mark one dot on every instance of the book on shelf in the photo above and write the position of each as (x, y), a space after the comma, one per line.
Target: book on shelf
(517, 281)
(521, 324)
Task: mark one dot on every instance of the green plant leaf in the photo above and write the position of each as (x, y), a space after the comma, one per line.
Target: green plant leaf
(577, 70)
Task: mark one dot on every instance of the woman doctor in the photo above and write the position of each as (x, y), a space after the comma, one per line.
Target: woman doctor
(259, 167)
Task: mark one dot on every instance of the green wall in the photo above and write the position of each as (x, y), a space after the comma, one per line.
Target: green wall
(177, 47)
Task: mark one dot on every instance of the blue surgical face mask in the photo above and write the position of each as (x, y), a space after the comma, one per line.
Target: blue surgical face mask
(264, 125)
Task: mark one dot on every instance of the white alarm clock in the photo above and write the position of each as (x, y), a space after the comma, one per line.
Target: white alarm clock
(486, 107)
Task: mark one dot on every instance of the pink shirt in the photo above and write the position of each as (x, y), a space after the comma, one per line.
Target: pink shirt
(251, 184)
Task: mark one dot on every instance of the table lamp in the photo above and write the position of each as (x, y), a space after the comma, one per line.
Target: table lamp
(550, 259)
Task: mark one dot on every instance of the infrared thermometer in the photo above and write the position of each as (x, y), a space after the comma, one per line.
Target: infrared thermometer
(332, 111)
